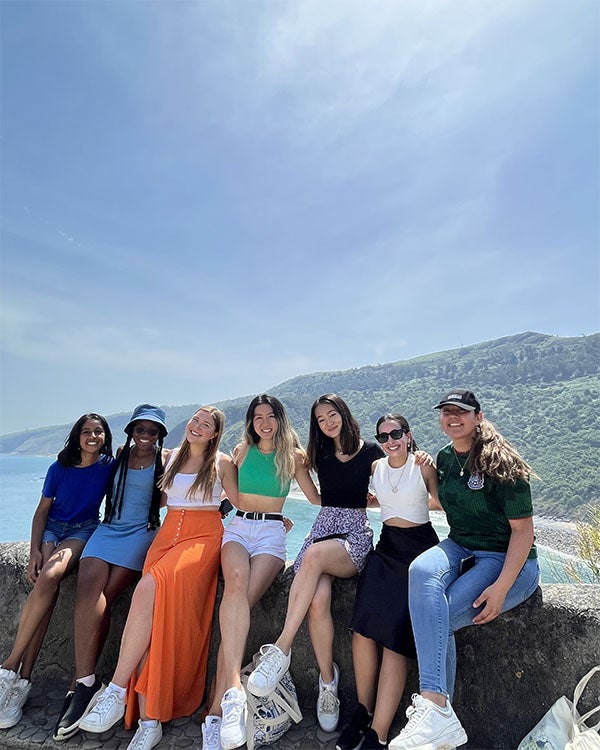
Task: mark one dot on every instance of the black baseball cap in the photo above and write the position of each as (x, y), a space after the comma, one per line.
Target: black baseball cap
(462, 398)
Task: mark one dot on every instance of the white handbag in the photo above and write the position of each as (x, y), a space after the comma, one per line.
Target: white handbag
(562, 728)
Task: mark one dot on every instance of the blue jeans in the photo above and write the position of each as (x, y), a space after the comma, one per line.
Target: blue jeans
(441, 602)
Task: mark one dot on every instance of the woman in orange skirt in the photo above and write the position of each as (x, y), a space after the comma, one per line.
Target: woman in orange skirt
(161, 670)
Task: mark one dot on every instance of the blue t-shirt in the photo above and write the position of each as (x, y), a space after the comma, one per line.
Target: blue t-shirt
(77, 492)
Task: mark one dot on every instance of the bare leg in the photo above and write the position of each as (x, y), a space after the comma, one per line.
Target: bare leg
(137, 632)
(320, 627)
(246, 580)
(392, 680)
(98, 585)
(57, 563)
(365, 657)
(320, 558)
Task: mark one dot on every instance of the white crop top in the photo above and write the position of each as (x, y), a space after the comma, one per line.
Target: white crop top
(401, 492)
(177, 492)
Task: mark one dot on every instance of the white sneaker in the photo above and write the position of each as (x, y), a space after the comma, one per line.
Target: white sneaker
(328, 704)
(146, 738)
(109, 708)
(233, 724)
(12, 708)
(211, 729)
(7, 680)
(271, 668)
(429, 727)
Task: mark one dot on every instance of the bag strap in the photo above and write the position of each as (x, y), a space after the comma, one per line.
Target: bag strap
(287, 702)
(581, 685)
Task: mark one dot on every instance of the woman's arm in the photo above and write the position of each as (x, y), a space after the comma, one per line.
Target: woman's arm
(519, 546)
(304, 478)
(38, 524)
(429, 474)
(229, 479)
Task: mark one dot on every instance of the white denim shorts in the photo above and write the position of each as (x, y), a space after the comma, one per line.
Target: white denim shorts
(257, 537)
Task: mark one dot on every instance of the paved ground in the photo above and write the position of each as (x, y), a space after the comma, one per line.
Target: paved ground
(40, 714)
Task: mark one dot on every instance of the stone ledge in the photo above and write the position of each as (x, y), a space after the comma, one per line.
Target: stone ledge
(509, 672)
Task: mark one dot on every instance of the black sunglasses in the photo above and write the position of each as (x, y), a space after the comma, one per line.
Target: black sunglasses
(383, 437)
(152, 431)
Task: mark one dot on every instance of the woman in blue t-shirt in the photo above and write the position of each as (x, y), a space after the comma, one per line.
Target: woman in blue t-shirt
(486, 566)
(64, 520)
(336, 547)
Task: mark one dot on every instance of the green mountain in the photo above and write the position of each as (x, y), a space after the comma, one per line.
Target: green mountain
(542, 392)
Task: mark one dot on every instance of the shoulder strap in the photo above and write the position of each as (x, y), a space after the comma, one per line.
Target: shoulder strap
(581, 685)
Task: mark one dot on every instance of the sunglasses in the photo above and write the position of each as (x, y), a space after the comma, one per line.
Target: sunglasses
(152, 431)
(383, 437)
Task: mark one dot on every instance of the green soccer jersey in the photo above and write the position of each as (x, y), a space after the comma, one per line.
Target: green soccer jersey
(477, 507)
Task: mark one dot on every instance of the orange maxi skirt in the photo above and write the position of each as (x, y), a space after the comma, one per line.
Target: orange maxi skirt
(184, 561)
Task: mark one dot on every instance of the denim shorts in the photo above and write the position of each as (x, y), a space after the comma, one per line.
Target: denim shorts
(58, 531)
(257, 537)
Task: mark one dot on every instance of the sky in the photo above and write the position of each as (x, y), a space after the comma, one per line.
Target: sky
(200, 200)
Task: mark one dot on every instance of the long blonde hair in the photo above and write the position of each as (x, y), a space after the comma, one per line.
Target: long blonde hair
(493, 455)
(285, 441)
(207, 473)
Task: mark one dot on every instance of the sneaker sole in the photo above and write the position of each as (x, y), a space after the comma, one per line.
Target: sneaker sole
(356, 747)
(449, 743)
(8, 723)
(64, 733)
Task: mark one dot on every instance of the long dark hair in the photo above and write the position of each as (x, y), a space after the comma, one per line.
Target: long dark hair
(318, 443)
(403, 422)
(70, 455)
(122, 465)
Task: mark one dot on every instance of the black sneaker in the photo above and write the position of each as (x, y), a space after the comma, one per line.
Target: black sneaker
(352, 736)
(63, 711)
(75, 707)
(371, 741)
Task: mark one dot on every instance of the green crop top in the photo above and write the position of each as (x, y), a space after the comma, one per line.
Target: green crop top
(258, 475)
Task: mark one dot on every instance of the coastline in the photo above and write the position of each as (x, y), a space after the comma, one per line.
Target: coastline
(557, 535)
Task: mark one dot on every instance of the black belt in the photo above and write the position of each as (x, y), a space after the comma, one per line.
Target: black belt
(251, 516)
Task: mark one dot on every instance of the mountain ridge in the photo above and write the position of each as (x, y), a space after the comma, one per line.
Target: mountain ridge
(541, 391)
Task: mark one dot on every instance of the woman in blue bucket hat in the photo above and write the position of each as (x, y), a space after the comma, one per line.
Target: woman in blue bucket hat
(114, 555)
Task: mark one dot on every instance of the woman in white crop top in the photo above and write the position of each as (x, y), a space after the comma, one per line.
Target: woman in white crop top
(164, 649)
(405, 492)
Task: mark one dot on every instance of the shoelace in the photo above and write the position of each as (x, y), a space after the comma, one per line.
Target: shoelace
(212, 732)
(140, 737)
(271, 661)
(328, 702)
(105, 703)
(414, 712)
(233, 701)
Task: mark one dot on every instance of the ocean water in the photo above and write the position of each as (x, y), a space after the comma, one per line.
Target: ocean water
(22, 479)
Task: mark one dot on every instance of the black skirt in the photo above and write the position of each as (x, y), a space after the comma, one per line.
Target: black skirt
(381, 606)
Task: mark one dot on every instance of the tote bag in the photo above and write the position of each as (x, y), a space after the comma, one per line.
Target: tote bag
(562, 728)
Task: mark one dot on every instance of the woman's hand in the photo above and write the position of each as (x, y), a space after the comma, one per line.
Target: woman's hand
(288, 524)
(34, 566)
(422, 458)
(493, 598)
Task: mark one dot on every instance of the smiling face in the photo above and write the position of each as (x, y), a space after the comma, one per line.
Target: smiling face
(265, 422)
(459, 424)
(201, 428)
(145, 433)
(91, 437)
(394, 448)
(329, 420)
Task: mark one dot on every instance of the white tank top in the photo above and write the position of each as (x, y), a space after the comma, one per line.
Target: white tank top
(177, 492)
(401, 492)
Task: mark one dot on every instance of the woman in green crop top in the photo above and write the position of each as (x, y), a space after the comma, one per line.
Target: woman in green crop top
(253, 553)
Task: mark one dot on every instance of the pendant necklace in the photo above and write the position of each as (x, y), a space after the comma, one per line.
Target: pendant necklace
(400, 473)
(461, 466)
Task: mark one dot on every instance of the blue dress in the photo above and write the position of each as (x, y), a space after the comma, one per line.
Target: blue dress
(124, 541)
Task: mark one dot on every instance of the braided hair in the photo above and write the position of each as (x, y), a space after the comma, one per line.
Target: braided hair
(114, 503)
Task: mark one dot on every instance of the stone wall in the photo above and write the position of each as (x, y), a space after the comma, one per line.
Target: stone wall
(509, 672)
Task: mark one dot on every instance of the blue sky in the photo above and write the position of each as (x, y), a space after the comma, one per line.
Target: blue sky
(203, 199)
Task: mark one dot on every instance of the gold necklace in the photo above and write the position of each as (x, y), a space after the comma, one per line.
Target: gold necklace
(461, 466)
(400, 473)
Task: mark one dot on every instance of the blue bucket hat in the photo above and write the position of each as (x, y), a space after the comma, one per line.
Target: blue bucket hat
(151, 413)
